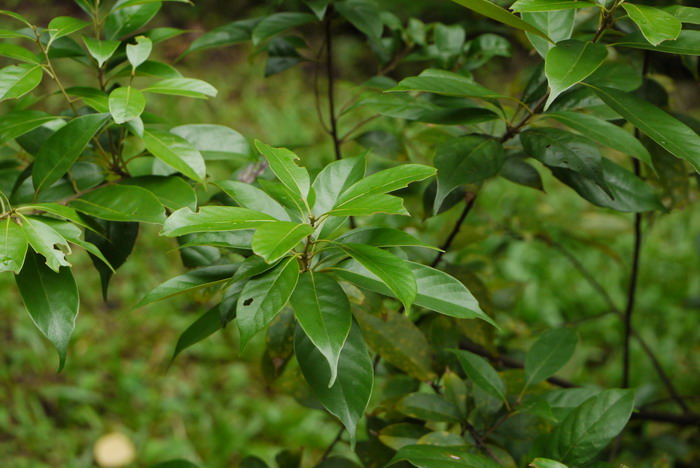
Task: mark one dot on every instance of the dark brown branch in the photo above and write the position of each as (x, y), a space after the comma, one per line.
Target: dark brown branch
(471, 199)
(331, 87)
(631, 295)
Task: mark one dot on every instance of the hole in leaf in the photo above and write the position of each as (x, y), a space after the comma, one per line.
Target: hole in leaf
(248, 302)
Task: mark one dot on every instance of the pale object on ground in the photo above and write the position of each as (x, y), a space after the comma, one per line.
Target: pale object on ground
(114, 450)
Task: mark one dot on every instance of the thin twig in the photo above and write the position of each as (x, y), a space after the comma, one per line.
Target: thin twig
(471, 199)
(329, 449)
(331, 88)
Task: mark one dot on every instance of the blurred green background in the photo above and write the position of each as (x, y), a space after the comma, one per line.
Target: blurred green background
(213, 405)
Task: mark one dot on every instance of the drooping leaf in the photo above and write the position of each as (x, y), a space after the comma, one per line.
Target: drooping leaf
(363, 14)
(213, 218)
(13, 245)
(16, 123)
(688, 43)
(126, 104)
(19, 53)
(274, 240)
(187, 87)
(138, 53)
(571, 62)
(482, 374)
(588, 429)
(52, 301)
(348, 397)
(116, 242)
(195, 279)
(493, 11)
(18, 80)
(121, 203)
(45, 240)
(657, 25)
(282, 163)
(323, 311)
(176, 152)
(520, 172)
(264, 297)
(558, 25)
(434, 456)
(672, 134)
(101, 51)
(549, 354)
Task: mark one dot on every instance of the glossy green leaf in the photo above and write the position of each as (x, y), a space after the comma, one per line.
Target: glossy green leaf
(19, 53)
(45, 240)
(95, 98)
(561, 149)
(333, 180)
(685, 14)
(64, 212)
(445, 83)
(13, 246)
(428, 407)
(398, 341)
(65, 25)
(489, 9)
(100, 50)
(482, 374)
(520, 172)
(16, 16)
(323, 311)
(546, 463)
(688, 43)
(549, 5)
(173, 192)
(205, 326)
(58, 154)
(628, 193)
(214, 141)
(388, 180)
(138, 53)
(672, 134)
(656, 24)
(263, 297)
(126, 103)
(436, 290)
(382, 237)
(229, 34)
(433, 456)
(558, 25)
(16, 123)
(52, 301)
(176, 152)
(121, 203)
(274, 240)
(588, 429)
(391, 270)
(279, 22)
(187, 87)
(123, 21)
(348, 397)
(370, 205)
(363, 14)
(548, 354)
(213, 218)
(467, 160)
(319, 7)
(248, 196)
(399, 435)
(604, 132)
(116, 242)
(570, 62)
(195, 279)
(18, 80)
(130, 3)
(283, 164)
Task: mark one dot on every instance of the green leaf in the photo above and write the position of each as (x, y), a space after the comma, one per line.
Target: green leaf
(16, 16)
(176, 152)
(370, 205)
(205, 326)
(446, 83)
(18, 80)
(62, 149)
(688, 43)
(656, 25)
(388, 180)
(348, 397)
(398, 341)
(487, 8)
(323, 311)
(116, 241)
(124, 21)
(214, 141)
(251, 266)
(126, 103)
(546, 463)
(13, 245)
(15, 52)
(282, 163)
(587, 430)
(436, 290)
(279, 22)
(628, 193)
(121, 203)
(319, 7)
(382, 237)
(520, 172)
(467, 160)
(45, 240)
(561, 149)
(51, 298)
(253, 198)
(92, 97)
(433, 456)
(335, 179)
(187, 87)
(264, 297)
(173, 192)
(229, 34)
(549, 354)
(362, 14)
(129, 3)
(399, 435)
(390, 269)
(138, 53)
(558, 25)
(195, 279)
(64, 25)
(100, 50)
(273, 241)
(672, 134)
(570, 62)
(482, 374)
(549, 5)
(604, 132)
(213, 218)
(685, 14)
(428, 407)
(16, 123)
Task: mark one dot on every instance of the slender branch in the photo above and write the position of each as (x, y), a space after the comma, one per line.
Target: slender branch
(329, 449)
(471, 199)
(631, 294)
(331, 87)
(607, 21)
